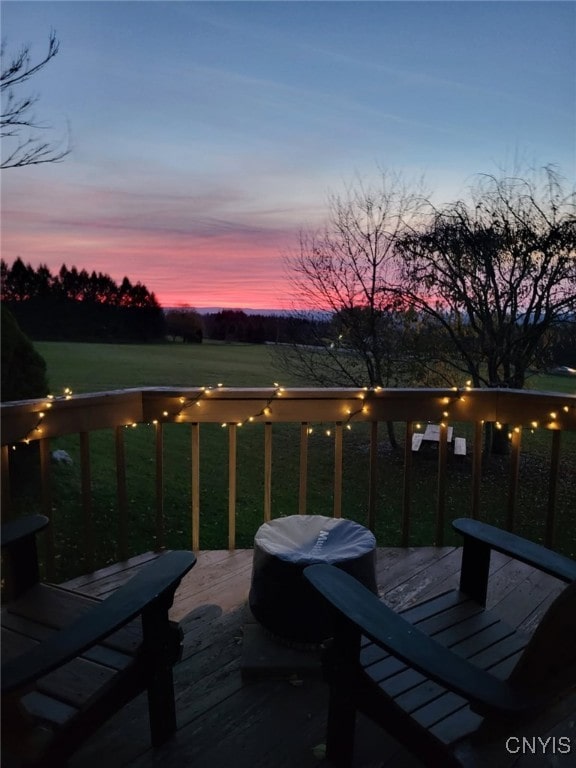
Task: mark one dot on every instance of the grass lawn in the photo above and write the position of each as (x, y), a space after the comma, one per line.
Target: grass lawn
(552, 383)
(97, 367)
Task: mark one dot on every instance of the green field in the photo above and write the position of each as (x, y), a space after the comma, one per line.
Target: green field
(97, 367)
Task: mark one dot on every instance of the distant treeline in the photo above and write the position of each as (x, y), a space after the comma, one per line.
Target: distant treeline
(76, 305)
(234, 325)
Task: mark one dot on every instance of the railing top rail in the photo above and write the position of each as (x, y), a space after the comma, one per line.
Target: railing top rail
(35, 419)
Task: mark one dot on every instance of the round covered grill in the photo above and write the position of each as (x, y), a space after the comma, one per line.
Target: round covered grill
(280, 597)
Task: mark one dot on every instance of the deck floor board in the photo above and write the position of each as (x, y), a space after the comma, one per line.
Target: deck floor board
(224, 720)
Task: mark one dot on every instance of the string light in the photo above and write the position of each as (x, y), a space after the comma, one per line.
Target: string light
(196, 401)
(363, 396)
(41, 415)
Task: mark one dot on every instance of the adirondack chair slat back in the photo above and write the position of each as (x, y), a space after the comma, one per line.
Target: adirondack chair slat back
(548, 663)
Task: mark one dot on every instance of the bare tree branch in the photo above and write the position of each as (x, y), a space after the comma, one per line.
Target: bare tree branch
(17, 120)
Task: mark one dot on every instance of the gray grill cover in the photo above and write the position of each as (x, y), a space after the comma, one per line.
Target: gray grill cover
(280, 597)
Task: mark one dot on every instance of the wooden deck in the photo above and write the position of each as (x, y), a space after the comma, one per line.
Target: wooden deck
(278, 723)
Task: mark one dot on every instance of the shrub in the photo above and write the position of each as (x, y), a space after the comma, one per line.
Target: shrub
(23, 368)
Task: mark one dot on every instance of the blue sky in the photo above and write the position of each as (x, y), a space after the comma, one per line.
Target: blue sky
(205, 135)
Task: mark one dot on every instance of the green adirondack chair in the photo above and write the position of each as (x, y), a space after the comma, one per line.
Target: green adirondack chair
(69, 662)
(447, 678)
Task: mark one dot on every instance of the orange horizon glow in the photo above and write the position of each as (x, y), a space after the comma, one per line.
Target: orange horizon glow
(205, 274)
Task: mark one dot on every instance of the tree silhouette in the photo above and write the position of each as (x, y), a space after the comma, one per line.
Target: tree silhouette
(344, 272)
(77, 305)
(496, 276)
(17, 120)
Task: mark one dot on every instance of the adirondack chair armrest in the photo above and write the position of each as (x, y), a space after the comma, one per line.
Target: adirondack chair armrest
(18, 541)
(21, 528)
(480, 539)
(359, 607)
(147, 593)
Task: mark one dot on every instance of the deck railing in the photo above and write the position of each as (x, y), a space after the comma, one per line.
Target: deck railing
(335, 409)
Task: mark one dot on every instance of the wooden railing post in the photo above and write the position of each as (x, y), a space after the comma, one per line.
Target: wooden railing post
(46, 489)
(405, 527)
(267, 471)
(477, 468)
(552, 489)
(195, 469)
(86, 481)
(441, 501)
(232, 487)
(121, 494)
(303, 483)
(373, 476)
(516, 438)
(337, 512)
(6, 501)
(159, 486)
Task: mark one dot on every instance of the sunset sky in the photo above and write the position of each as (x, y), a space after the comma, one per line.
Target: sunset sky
(205, 135)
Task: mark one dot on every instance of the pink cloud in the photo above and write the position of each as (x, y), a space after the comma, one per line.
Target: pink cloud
(201, 250)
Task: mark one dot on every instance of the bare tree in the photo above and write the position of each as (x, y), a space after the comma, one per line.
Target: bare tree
(478, 286)
(342, 274)
(17, 120)
(497, 275)
(496, 278)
